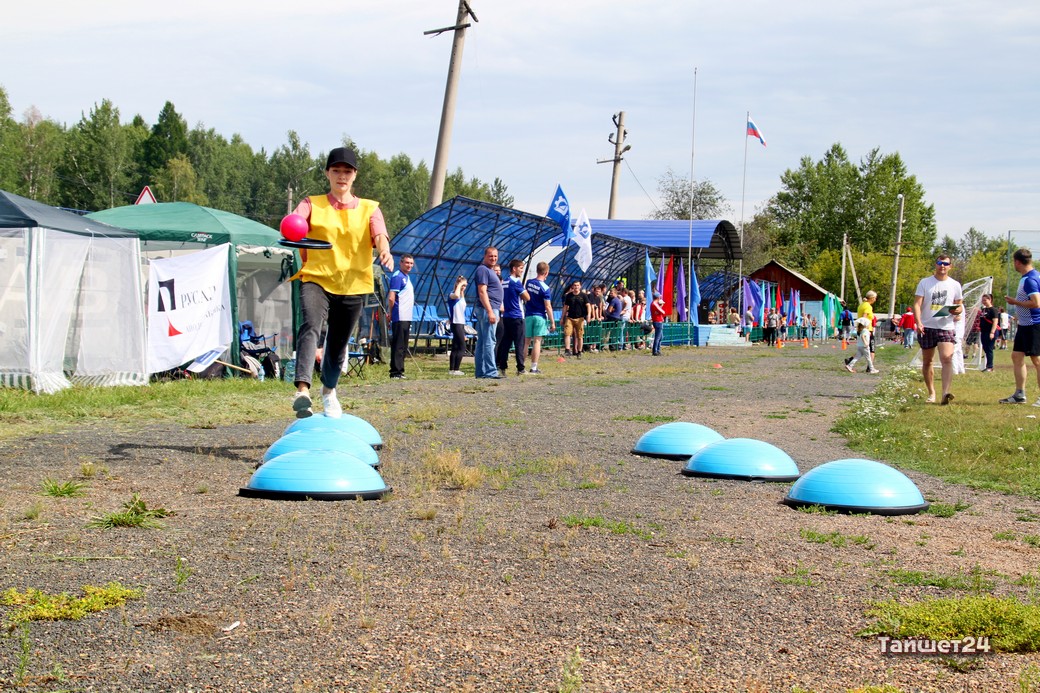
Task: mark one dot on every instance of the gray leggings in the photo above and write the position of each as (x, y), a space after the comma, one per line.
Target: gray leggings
(342, 312)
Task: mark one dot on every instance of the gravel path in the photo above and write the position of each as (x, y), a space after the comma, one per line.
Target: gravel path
(691, 585)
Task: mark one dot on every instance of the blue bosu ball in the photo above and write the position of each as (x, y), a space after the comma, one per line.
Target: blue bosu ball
(675, 441)
(855, 485)
(351, 424)
(742, 458)
(315, 439)
(322, 475)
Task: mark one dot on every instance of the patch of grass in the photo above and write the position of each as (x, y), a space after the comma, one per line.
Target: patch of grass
(1010, 625)
(973, 580)
(815, 510)
(776, 415)
(62, 489)
(1026, 515)
(32, 513)
(446, 468)
(836, 539)
(134, 514)
(894, 424)
(947, 509)
(89, 470)
(799, 576)
(646, 418)
(571, 680)
(1005, 536)
(613, 526)
(35, 605)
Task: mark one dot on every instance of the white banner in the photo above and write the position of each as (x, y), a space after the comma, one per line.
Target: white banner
(189, 307)
(583, 238)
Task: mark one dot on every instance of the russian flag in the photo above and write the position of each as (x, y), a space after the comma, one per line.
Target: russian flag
(753, 131)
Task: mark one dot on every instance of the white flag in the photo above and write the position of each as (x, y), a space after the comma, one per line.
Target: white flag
(583, 238)
(189, 307)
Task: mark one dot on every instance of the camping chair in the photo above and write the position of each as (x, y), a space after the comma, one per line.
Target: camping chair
(256, 346)
(357, 357)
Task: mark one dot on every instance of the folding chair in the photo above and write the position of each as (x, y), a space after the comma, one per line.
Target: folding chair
(357, 357)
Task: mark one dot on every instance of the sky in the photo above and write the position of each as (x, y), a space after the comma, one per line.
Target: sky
(950, 85)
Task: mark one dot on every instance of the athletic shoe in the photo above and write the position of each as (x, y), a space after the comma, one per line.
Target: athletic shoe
(534, 370)
(578, 355)
(398, 376)
(873, 370)
(456, 373)
(1037, 402)
(1014, 399)
(849, 368)
(930, 399)
(330, 403)
(947, 398)
(301, 404)
(501, 373)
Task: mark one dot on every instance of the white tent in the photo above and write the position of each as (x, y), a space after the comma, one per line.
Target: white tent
(71, 302)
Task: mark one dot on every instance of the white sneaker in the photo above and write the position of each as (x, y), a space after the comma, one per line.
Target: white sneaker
(849, 367)
(301, 404)
(1037, 402)
(330, 403)
(456, 373)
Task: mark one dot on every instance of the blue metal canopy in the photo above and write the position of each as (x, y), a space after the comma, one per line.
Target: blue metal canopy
(449, 240)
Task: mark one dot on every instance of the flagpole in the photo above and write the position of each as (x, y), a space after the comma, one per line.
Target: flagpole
(743, 191)
(689, 246)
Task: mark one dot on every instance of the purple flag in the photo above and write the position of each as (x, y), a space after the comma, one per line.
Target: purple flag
(680, 292)
(660, 278)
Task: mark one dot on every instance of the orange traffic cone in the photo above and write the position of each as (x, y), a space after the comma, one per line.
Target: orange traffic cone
(844, 344)
(805, 342)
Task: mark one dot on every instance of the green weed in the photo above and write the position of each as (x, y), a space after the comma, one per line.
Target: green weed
(134, 514)
(66, 489)
(35, 605)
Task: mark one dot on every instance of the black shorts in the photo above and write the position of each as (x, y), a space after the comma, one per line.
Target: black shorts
(1027, 340)
(933, 336)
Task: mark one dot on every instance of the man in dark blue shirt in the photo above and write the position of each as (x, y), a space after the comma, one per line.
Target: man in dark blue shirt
(513, 292)
(612, 318)
(489, 300)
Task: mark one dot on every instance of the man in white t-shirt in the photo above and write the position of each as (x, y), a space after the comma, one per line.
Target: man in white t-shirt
(938, 303)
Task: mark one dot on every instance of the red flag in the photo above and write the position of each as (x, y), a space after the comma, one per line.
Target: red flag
(669, 288)
(779, 300)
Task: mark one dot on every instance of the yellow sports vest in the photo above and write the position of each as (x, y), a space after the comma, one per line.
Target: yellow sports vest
(346, 269)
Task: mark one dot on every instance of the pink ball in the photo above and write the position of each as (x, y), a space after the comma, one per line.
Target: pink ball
(294, 227)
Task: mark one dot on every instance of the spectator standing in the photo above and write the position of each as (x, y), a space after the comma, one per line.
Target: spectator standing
(489, 302)
(1005, 327)
(400, 300)
(539, 319)
(513, 292)
(909, 327)
(457, 313)
(937, 306)
(575, 310)
(988, 321)
(657, 319)
(612, 317)
(1027, 313)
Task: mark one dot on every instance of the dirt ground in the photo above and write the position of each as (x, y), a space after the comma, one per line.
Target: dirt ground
(573, 565)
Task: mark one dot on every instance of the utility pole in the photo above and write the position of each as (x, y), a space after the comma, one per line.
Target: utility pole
(895, 264)
(617, 140)
(440, 158)
(844, 244)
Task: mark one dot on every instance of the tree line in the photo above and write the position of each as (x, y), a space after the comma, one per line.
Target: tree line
(103, 161)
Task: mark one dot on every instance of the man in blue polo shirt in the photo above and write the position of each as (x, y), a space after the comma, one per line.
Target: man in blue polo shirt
(489, 300)
(612, 318)
(513, 319)
(1027, 339)
(400, 301)
(539, 319)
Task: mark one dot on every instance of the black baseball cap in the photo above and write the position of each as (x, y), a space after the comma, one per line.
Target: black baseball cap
(341, 155)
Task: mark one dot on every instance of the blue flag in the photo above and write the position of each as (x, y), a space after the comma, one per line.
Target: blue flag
(560, 212)
(695, 292)
(651, 278)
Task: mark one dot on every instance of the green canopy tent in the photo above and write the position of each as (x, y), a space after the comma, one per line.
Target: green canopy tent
(257, 265)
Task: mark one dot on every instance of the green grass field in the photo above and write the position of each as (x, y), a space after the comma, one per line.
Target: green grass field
(975, 441)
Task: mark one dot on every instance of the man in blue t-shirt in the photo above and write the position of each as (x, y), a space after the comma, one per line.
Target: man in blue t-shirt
(540, 319)
(612, 317)
(1027, 312)
(513, 292)
(489, 300)
(400, 302)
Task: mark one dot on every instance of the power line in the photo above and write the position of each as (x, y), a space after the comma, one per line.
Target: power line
(629, 166)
